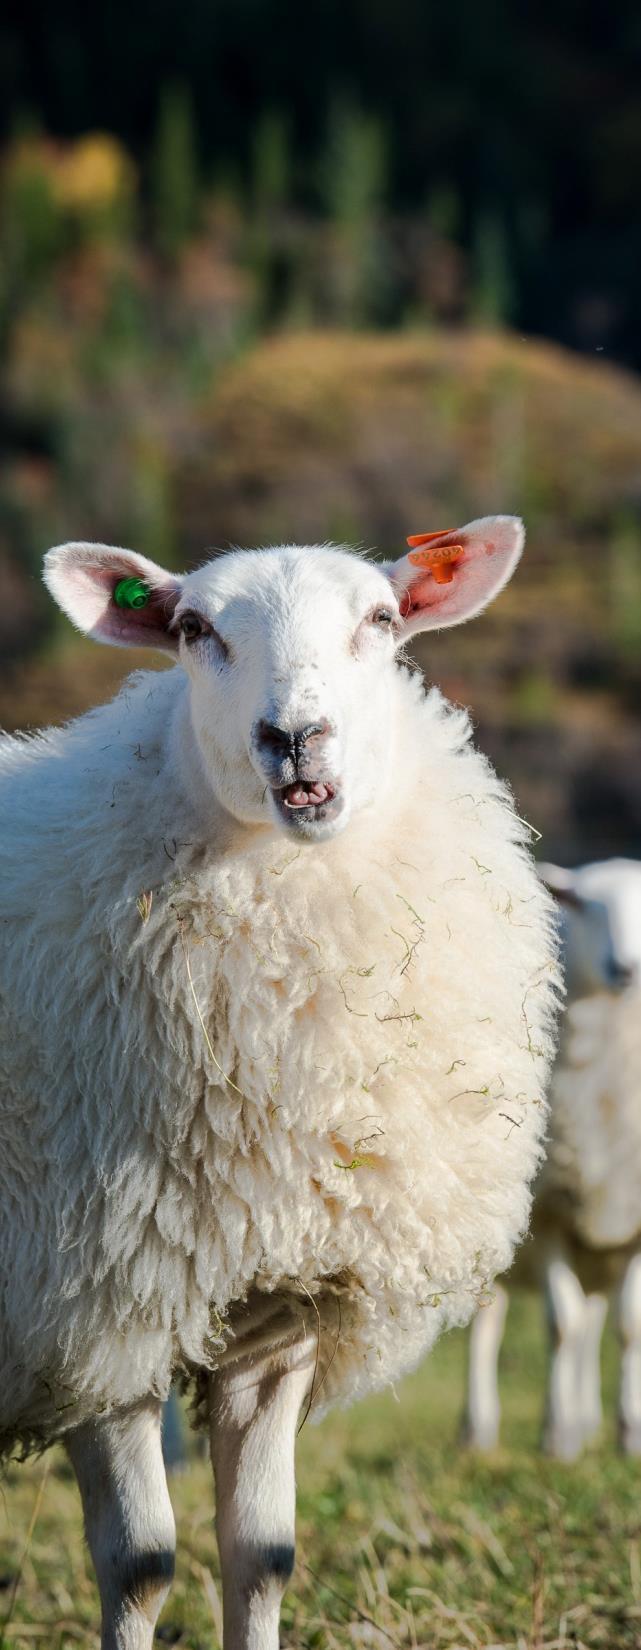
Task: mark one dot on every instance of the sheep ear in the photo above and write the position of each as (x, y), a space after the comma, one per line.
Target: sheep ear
(450, 576)
(561, 883)
(114, 595)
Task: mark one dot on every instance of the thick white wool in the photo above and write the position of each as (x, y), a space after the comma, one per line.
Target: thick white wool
(592, 1177)
(361, 1107)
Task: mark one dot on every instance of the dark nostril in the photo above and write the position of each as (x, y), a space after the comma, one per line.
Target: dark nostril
(622, 974)
(275, 738)
(284, 743)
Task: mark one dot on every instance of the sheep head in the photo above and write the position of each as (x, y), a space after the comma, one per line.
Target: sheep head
(600, 911)
(291, 656)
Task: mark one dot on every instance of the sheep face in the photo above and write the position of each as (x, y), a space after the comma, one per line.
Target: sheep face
(600, 924)
(291, 656)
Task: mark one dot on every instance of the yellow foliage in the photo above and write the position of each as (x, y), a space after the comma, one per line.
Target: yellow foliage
(94, 172)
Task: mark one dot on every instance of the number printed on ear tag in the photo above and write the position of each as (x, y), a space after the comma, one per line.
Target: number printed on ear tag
(439, 559)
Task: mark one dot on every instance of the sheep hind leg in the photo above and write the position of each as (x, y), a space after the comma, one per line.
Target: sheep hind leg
(128, 1520)
(630, 1372)
(482, 1417)
(254, 1407)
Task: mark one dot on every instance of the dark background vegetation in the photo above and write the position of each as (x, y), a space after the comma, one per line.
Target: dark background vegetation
(514, 130)
(343, 271)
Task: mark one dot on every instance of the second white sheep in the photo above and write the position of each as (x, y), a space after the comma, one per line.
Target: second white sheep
(586, 1228)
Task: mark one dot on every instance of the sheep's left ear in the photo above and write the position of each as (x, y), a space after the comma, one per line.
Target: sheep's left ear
(450, 576)
(115, 596)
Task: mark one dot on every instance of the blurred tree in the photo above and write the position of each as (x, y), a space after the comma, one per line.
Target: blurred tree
(271, 245)
(353, 178)
(444, 212)
(493, 295)
(271, 169)
(438, 273)
(32, 227)
(354, 166)
(174, 173)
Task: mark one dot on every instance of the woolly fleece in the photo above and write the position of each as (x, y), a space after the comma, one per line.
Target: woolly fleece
(357, 1117)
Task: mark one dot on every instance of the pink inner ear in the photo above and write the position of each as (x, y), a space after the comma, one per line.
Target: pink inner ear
(127, 627)
(440, 557)
(423, 593)
(449, 576)
(145, 624)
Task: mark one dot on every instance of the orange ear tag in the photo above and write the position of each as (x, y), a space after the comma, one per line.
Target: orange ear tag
(439, 559)
(427, 538)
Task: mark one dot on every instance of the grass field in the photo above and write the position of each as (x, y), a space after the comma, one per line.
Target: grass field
(403, 1539)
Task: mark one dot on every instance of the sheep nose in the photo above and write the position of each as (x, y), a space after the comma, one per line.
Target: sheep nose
(284, 742)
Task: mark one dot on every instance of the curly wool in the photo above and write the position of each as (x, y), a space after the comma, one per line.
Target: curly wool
(263, 1072)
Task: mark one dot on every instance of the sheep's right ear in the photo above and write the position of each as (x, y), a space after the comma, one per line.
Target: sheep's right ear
(114, 595)
(561, 883)
(451, 576)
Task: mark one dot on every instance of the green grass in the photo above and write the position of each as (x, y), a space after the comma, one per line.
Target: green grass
(403, 1539)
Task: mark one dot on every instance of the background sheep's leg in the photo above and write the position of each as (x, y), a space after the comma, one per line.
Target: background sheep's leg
(174, 1447)
(483, 1407)
(596, 1311)
(566, 1307)
(254, 1411)
(129, 1521)
(630, 1377)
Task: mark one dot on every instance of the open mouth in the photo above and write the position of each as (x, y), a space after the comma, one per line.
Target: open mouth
(309, 793)
(307, 801)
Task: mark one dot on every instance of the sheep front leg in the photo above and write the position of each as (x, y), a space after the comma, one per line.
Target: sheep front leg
(630, 1374)
(596, 1311)
(566, 1305)
(128, 1520)
(483, 1408)
(254, 1409)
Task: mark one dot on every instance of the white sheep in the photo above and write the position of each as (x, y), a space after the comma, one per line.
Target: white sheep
(586, 1229)
(277, 988)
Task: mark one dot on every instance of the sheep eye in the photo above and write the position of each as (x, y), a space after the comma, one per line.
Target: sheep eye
(382, 616)
(191, 627)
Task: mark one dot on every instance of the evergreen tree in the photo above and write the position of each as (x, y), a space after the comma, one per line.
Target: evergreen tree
(175, 184)
(493, 293)
(353, 177)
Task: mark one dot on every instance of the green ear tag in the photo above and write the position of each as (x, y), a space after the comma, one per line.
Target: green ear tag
(131, 593)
